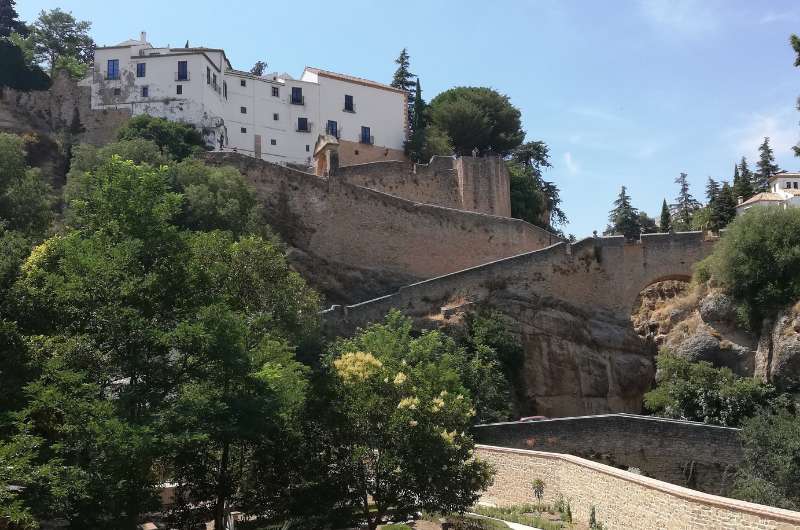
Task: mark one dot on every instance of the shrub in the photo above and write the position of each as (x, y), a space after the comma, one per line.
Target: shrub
(177, 140)
(15, 72)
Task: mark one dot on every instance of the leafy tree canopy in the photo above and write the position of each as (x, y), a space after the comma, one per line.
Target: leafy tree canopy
(16, 72)
(700, 392)
(624, 218)
(757, 261)
(9, 19)
(176, 140)
(533, 198)
(477, 118)
(57, 34)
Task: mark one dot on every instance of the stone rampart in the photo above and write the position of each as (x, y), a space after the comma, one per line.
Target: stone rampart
(352, 225)
(466, 183)
(685, 453)
(622, 500)
(599, 274)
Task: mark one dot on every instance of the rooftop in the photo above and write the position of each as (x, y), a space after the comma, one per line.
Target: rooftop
(764, 196)
(352, 79)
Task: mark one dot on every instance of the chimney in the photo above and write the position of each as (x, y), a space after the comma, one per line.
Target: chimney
(741, 199)
(143, 37)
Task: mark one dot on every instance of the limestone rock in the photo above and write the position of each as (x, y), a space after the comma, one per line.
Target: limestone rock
(784, 360)
(717, 307)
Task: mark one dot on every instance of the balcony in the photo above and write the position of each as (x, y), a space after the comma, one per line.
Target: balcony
(301, 100)
(307, 128)
(182, 76)
(368, 140)
(336, 132)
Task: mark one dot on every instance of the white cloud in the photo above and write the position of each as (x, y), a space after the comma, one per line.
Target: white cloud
(785, 16)
(571, 164)
(681, 17)
(780, 127)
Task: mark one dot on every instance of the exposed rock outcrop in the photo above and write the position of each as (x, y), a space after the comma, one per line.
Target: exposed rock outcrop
(701, 324)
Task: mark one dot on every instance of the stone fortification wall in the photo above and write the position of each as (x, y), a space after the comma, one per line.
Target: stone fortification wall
(65, 107)
(600, 274)
(353, 225)
(621, 499)
(685, 453)
(466, 183)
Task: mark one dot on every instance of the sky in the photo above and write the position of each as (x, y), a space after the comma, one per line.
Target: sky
(624, 92)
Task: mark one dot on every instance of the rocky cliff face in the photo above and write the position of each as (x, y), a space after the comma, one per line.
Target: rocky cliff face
(575, 362)
(700, 324)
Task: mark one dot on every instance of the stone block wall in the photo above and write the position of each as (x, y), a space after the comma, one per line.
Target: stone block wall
(352, 225)
(466, 183)
(686, 453)
(621, 499)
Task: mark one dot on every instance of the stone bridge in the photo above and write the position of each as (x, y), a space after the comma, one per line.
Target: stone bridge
(597, 274)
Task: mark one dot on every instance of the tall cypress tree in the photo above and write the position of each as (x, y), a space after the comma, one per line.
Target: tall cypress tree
(404, 80)
(724, 208)
(712, 190)
(766, 166)
(684, 206)
(624, 218)
(665, 222)
(746, 176)
(416, 142)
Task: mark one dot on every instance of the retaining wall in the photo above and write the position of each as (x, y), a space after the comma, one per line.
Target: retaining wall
(621, 499)
(686, 453)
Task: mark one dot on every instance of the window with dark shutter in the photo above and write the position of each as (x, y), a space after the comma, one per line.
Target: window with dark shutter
(140, 69)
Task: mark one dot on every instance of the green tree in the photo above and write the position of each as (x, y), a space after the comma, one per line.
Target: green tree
(723, 209)
(712, 190)
(416, 143)
(9, 20)
(699, 392)
(534, 199)
(756, 262)
(477, 118)
(794, 41)
(176, 140)
(624, 218)
(770, 471)
(25, 196)
(647, 224)
(766, 166)
(665, 221)
(435, 143)
(747, 177)
(684, 204)
(403, 78)
(259, 68)
(57, 34)
(742, 187)
(401, 414)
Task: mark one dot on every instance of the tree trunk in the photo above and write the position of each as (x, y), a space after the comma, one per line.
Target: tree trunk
(222, 486)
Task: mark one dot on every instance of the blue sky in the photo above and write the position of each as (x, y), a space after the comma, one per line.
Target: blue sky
(624, 92)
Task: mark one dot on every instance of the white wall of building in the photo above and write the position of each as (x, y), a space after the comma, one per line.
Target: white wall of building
(213, 96)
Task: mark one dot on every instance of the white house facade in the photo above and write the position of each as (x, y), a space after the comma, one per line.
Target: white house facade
(273, 117)
(783, 191)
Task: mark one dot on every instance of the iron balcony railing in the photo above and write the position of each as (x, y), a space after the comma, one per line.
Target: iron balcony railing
(295, 100)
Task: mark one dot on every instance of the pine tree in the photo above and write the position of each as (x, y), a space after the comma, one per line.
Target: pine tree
(624, 218)
(712, 190)
(794, 40)
(684, 205)
(9, 20)
(766, 166)
(665, 223)
(741, 185)
(724, 208)
(404, 80)
(416, 143)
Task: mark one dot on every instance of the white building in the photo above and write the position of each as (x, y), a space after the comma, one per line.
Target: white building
(783, 191)
(273, 117)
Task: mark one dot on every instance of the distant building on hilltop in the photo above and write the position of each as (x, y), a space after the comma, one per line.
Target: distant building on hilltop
(273, 117)
(784, 191)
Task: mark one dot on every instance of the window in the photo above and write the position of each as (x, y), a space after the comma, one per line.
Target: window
(348, 104)
(183, 71)
(366, 137)
(145, 91)
(179, 89)
(275, 116)
(140, 69)
(276, 92)
(788, 184)
(243, 110)
(273, 142)
(302, 124)
(297, 95)
(242, 82)
(332, 128)
(117, 91)
(225, 90)
(308, 148)
(795, 185)
(244, 130)
(214, 82)
(113, 69)
(208, 75)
